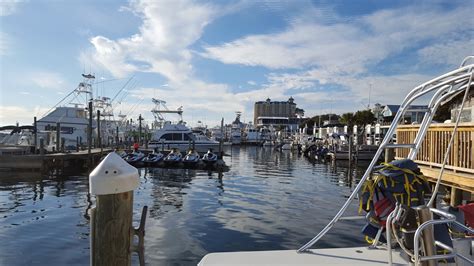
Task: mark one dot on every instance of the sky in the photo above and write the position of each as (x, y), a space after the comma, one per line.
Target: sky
(218, 57)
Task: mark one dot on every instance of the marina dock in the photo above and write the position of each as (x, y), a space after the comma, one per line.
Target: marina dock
(55, 163)
(459, 170)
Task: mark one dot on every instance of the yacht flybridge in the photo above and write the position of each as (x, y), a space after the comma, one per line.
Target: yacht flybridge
(181, 137)
(168, 135)
(405, 233)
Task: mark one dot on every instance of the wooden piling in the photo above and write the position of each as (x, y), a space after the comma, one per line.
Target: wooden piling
(117, 137)
(99, 140)
(58, 136)
(111, 223)
(146, 139)
(89, 130)
(428, 246)
(35, 132)
(456, 197)
(140, 129)
(222, 137)
(113, 229)
(350, 150)
(389, 155)
(63, 141)
(41, 146)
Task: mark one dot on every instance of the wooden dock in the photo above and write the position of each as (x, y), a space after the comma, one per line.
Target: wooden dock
(459, 170)
(54, 163)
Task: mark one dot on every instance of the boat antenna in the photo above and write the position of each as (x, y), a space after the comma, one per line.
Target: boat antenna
(69, 94)
(123, 87)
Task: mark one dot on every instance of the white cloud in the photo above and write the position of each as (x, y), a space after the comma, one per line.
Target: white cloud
(451, 52)
(10, 114)
(342, 53)
(343, 46)
(47, 80)
(8, 7)
(161, 44)
(326, 54)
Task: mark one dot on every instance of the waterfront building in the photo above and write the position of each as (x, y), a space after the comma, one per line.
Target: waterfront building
(73, 122)
(414, 115)
(277, 113)
(467, 114)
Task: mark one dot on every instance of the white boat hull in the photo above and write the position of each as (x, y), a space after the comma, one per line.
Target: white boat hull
(330, 256)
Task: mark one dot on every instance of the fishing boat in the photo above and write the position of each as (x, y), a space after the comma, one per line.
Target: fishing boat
(236, 130)
(181, 137)
(191, 158)
(72, 115)
(173, 157)
(252, 136)
(404, 231)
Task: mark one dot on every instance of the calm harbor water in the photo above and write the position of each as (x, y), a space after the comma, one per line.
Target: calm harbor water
(268, 200)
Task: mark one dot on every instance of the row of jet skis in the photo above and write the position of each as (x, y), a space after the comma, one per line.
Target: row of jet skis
(173, 158)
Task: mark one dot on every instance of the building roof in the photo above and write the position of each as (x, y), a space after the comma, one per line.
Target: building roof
(394, 108)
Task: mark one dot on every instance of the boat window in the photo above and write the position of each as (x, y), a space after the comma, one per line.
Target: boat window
(187, 137)
(177, 136)
(167, 136)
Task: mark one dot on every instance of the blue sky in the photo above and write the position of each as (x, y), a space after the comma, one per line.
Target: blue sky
(217, 57)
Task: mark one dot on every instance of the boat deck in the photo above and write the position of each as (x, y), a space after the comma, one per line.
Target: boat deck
(330, 256)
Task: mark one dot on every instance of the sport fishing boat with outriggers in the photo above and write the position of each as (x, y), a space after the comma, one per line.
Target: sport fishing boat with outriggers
(168, 135)
(173, 157)
(405, 223)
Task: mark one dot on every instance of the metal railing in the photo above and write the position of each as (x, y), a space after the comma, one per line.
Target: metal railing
(444, 87)
(445, 218)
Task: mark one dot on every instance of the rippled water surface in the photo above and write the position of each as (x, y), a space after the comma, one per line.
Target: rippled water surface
(268, 200)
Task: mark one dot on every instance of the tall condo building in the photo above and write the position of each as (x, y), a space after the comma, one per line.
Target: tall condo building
(276, 113)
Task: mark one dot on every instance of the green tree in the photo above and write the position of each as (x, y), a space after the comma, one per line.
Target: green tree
(363, 118)
(348, 119)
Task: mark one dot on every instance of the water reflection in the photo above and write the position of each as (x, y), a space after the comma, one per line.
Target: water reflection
(268, 200)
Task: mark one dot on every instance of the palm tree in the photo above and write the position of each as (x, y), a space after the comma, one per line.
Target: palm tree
(348, 119)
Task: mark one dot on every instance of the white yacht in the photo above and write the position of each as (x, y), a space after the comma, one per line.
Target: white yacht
(181, 137)
(16, 140)
(235, 135)
(252, 135)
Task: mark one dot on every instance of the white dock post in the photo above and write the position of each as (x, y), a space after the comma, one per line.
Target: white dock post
(112, 182)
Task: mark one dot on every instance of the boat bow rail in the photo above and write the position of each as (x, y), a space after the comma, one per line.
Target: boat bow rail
(443, 88)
